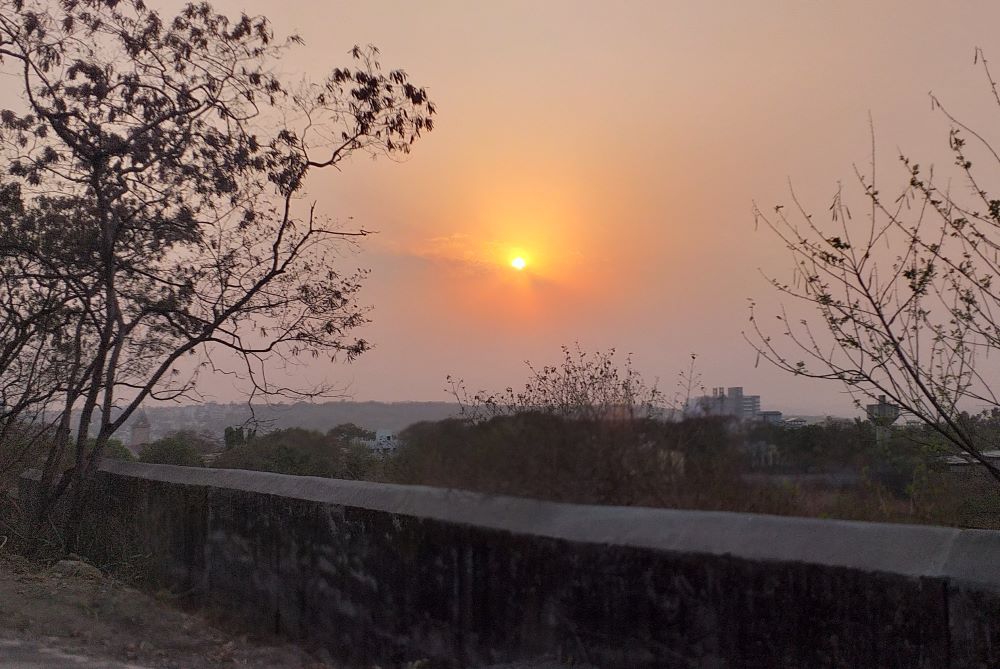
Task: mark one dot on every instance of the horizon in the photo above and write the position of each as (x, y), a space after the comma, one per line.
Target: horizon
(455, 403)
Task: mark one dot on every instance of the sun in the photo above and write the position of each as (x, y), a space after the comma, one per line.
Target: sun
(518, 263)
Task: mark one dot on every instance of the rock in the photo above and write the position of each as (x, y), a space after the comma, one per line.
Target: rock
(76, 568)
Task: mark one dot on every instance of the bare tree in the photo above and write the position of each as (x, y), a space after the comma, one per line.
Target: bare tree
(904, 292)
(152, 208)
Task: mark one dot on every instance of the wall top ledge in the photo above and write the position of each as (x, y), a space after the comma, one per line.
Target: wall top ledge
(965, 557)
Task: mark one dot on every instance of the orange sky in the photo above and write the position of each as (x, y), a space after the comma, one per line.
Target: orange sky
(617, 146)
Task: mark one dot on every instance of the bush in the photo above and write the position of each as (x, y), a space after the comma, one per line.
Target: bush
(540, 455)
(301, 452)
(172, 450)
(116, 450)
(822, 447)
(199, 441)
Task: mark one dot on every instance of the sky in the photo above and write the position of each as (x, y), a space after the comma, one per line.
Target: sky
(619, 148)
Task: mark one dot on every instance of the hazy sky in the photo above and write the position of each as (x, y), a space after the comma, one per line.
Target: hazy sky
(617, 146)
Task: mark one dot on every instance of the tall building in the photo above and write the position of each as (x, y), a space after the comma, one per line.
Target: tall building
(882, 413)
(726, 402)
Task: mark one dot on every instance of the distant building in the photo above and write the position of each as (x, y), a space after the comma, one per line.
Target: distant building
(964, 459)
(139, 436)
(883, 413)
(833, 421)
(730, 402)
(385, 442)
(770, 417)
(957, 460)
(723, 402)
(794, 423)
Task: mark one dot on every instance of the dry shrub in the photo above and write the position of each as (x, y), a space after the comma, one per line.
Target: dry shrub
(533, 454)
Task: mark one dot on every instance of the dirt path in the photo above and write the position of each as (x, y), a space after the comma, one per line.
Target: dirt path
(71, 610)
(71, 616)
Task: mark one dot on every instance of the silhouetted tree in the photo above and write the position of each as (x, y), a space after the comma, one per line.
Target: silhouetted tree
(347, 433)
(905, 294)
(151, 210)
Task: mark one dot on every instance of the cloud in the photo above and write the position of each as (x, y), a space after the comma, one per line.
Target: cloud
(458, 252)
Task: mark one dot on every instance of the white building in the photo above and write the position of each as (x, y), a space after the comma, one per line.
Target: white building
(385, 442)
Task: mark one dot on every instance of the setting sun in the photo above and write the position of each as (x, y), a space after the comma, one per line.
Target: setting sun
(518, 263)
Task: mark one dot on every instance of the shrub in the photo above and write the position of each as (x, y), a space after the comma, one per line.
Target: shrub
(172, 450)
(301, 452)
(116, 450)
(535, 454)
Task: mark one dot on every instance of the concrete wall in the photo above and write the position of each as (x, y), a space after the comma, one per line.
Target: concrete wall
(385, 573)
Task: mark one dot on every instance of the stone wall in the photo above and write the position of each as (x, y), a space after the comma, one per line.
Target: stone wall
(387, 574)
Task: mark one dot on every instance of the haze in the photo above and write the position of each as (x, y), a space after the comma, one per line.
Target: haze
(617, 148)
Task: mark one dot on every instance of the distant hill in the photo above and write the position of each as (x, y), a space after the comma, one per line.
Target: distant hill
(212, 419)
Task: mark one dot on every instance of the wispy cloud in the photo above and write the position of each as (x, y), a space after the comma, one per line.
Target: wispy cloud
(457, 251)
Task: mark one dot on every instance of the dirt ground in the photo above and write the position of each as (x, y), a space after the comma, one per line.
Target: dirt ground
(71, 615)
(71, 608)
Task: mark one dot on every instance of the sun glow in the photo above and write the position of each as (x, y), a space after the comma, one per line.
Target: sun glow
(518, 263)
